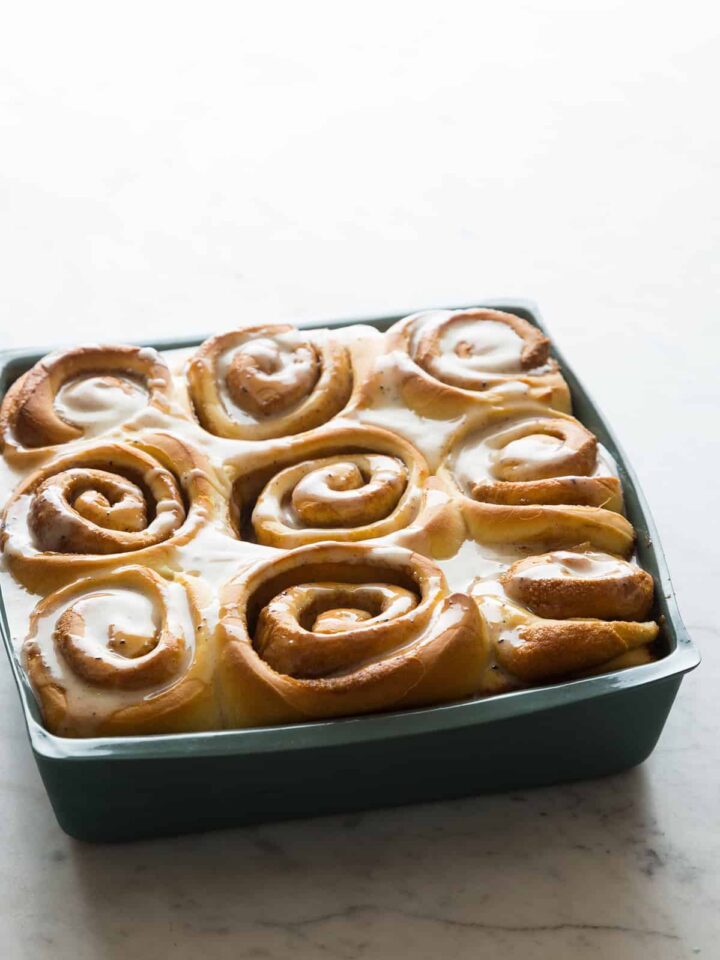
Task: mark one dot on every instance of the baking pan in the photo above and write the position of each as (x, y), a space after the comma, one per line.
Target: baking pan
(112, 788)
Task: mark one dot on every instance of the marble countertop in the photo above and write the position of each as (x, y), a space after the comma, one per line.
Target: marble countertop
(165, 175)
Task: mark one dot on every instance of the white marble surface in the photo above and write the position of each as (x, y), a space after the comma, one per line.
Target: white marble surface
(172, 168)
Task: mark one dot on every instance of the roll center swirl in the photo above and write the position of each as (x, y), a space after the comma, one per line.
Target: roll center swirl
(266, 378)
(319, 629)
(107, 501)
(88, 510)
(81, 393)
(469, 348)
(541, 450)
(349, 492)
(119, 639)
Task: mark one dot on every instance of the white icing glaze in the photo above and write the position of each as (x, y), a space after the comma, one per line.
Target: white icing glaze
(106, 612)
(567, 564)
(374, 482)
(483, 347)
(503, 617)
(535, 449)
(479, 348)
(101, 406)
(18, 537)
(284, 358)
(98, 402)
(385, 408)
(214, 555)
(169, 516)
(476, 561)
(483, 456)
(19, 604)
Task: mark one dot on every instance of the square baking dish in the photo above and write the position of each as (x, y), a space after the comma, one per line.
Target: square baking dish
(114, 789)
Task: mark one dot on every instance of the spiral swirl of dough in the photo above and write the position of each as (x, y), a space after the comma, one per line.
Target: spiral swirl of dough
(105, 502)
(349, 483)
(470, 348)
(334, 629)
(310, 486)
(580, 583)
(105, 384)
(524, 476)
(124, 651)
(348, 496)
(464, 357)
(565, 613)
(262, 382)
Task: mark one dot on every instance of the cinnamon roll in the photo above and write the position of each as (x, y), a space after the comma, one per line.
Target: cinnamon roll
(262, 382)
(123, 652)
(345, 483)
(566, 613)
(320, 489)
(459, 356)
(526, 475)
(580, 583)
(78, 394)
(336, 629)
(104, 503)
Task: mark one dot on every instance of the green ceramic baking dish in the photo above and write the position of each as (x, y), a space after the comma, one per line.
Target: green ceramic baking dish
(110, 789)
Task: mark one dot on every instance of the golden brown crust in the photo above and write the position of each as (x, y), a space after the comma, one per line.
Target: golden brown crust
(279, 382)
(106, 503)
(31, 428)
(549, 526)
(419, 646)
(564, 585)
(580, 491)
(553, 649)
(109, 682)
(440, 381)
(545, 505)
(452, 426)
(535, 348)
(574, 456)
(302, 632)
(348, 484)
(564, 614)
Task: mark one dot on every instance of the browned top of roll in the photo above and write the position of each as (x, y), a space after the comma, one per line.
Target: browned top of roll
(29, 418)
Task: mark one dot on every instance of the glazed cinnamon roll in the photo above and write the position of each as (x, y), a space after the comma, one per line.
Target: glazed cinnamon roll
(317, 487)
(261, 382)
(459, 356)
(337, 629)
(78, 394)
(566, 613)
(106, 502)
(122, 652)
(580, 583)
(348, 483)
(527, 475)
